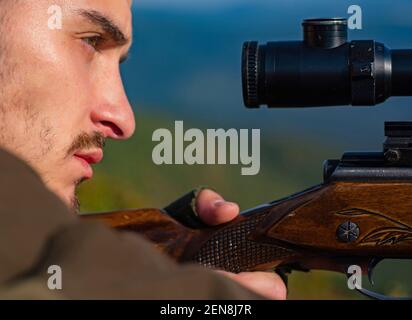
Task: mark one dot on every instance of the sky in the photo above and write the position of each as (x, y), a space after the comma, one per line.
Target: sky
(392, 9)
(205, 4)
(187, 3)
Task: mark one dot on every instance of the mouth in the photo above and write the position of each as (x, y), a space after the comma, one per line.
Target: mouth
(87, 159)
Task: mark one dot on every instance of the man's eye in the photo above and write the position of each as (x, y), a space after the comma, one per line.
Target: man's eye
(94, 41)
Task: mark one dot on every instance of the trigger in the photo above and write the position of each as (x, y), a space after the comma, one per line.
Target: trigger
(371, 267)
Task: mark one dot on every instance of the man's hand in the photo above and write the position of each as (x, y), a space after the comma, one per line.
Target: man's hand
(214, 210)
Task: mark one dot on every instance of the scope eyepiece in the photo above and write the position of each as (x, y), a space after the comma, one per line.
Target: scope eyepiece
(324, 69)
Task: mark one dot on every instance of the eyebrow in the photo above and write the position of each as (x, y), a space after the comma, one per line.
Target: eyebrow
(114, 32)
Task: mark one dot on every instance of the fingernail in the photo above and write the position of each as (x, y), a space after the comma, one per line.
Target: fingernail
(219, 203)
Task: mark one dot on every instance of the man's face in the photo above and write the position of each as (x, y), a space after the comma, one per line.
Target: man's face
(61, 94)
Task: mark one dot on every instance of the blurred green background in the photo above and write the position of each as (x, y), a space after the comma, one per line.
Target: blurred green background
(185, 65)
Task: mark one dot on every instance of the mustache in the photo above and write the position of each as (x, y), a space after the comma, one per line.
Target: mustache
(87, 141)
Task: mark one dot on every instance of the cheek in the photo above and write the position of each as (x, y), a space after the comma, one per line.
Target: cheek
(51, 110)
(63, 83)
(59, 89)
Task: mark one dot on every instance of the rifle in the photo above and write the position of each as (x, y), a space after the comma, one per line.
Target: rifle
(359, 214)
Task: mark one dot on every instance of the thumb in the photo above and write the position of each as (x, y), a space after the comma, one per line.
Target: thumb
(213, 209)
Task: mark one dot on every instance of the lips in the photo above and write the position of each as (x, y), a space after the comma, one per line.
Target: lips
(87, 159)
(91, 157)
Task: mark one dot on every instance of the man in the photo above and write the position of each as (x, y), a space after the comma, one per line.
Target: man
(61, 98)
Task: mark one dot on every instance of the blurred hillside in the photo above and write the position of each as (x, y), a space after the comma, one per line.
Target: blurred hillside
(288, 164)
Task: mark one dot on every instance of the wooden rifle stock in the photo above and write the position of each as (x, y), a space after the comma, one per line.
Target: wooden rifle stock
(329, 226)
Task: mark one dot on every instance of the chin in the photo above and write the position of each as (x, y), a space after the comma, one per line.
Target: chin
(75, 205)
(67, 193)
(72, 203)
(68, 197)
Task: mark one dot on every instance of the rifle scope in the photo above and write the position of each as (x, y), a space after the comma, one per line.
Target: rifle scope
(324, 69)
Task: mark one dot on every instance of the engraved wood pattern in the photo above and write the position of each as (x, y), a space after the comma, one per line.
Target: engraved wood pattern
(393, 233)
(382, 211)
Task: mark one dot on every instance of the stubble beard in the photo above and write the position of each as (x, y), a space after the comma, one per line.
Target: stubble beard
(75, 202)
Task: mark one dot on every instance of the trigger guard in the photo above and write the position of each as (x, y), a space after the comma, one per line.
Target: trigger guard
(371, 294)
(378, 296)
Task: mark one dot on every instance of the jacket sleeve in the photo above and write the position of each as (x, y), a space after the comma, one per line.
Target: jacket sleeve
(99, 263)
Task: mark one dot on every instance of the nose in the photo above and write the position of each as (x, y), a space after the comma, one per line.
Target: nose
(113, 116)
